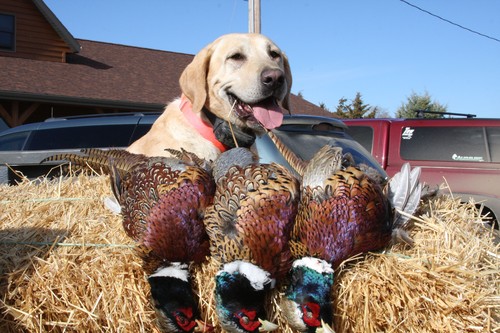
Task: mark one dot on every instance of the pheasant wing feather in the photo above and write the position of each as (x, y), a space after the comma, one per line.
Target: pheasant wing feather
(404, 193)
(399, 187)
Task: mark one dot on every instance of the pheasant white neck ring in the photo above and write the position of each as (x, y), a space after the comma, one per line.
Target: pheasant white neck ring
(257, 277)
(175, 270)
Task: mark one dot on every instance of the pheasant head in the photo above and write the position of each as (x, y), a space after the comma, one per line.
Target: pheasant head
(174, 301)
(306, 304)
(241, 289)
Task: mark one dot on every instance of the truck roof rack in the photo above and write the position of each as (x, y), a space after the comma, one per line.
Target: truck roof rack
(421, 114)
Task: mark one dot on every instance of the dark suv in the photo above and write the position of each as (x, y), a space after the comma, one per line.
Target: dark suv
(23, 148)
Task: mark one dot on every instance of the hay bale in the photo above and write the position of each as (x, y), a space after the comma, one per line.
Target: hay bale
(90, 281)
(448, 282)
(67, 266)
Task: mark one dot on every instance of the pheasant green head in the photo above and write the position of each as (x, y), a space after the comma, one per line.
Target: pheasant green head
(175, 304)
(307, 303)
(240, 291)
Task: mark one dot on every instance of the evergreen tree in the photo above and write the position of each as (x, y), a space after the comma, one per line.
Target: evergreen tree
(356, 109)
(361, 110)
(342, 109)
(416, 103)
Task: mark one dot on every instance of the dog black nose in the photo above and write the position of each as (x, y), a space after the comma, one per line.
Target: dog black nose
(272, 78)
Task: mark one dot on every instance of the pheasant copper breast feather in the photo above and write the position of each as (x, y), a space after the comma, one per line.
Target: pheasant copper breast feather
(163, 207)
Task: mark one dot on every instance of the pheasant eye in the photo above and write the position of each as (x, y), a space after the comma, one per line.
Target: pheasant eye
(182, 317)
(247, 320)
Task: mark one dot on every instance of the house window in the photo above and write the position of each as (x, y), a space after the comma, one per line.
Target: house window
(7, 32)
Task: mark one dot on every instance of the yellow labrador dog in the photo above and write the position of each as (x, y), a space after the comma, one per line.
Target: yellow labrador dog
(235, 87)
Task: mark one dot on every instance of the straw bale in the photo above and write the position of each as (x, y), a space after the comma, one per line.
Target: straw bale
(67, 266)
(90, 281)
(447, 282)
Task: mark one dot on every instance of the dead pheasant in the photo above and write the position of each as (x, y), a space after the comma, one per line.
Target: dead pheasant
(163, 201)
(342, 212)
(249, 226)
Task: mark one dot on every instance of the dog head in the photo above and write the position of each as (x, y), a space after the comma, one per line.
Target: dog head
(244, 79)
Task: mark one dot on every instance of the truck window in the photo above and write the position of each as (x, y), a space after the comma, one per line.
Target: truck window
(464, 144)
(493, 134)
(362, 134)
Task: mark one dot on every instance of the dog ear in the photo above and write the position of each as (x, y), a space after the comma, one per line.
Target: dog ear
(288, 77)
(193, 80)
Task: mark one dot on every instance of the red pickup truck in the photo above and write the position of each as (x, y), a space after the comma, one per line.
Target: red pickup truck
(463, 153)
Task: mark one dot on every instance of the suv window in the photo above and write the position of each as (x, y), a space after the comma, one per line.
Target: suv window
(14, 141)
(140, 131)
(81, 137)
(465, 144)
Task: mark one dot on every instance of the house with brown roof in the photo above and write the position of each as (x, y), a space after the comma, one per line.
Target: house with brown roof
(46, 72)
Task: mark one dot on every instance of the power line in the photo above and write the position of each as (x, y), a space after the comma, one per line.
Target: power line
(450, 22)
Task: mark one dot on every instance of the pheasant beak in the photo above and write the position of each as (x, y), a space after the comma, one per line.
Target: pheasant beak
(267, 326)
(325, 328)
(201, 326)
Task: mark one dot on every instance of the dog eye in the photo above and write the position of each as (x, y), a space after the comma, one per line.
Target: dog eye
(274, 54)
(237, 57)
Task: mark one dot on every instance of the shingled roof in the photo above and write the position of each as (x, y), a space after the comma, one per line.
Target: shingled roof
(102, 74)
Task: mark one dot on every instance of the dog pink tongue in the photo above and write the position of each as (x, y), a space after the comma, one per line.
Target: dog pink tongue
(268, 113)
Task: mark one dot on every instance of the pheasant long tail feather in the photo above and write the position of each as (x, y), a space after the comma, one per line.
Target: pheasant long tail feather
(100, 159)
(119, 158)
(116, 182)
(96, 163)
(295, 162)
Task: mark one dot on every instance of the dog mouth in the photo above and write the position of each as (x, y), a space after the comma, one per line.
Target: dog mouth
(266, 112)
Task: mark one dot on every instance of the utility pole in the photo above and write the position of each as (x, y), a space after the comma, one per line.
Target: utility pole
(254, 16)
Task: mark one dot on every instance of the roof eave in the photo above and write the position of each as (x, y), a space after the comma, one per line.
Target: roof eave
(80, 101)
(58, 26)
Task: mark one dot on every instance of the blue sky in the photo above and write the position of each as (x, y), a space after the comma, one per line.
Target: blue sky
(385, 49)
